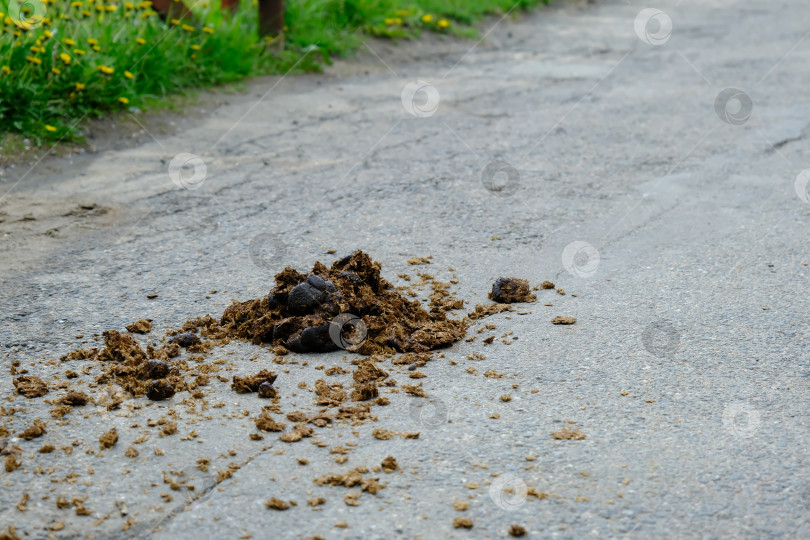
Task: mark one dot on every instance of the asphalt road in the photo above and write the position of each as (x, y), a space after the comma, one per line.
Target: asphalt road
(654, 170)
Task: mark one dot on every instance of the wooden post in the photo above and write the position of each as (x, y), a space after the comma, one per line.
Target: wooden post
(271, 17)
(172, 9)
(230, 5)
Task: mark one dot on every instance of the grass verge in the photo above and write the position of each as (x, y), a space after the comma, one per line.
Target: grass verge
(64, 61)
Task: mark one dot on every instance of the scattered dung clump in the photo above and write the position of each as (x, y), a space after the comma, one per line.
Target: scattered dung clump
(252, 383)
(30, 386)
(510, 290)
(348, 305)
(109, 439)
(568, 434)
(144, 326)
(563, 319)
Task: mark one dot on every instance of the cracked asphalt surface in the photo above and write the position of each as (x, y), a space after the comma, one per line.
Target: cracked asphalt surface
(674, 211)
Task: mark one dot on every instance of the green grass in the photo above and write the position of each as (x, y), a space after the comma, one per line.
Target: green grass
(63, 61)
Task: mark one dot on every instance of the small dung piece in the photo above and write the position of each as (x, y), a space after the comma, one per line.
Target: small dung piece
(30, 386)
(37, 430)
(389, 464)
(155, 369)
(517, 530)
(109, 439)
(547, 285)
(144, 326)
(251, 383)
(75, 399)
(510, 290)
(185, 339)
(266, 390)
(277, 504)
(159, 390)
(563, 319)
(462, 522)
(567, 433)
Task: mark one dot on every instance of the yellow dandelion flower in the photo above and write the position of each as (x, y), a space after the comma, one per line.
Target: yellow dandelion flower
(79, 52)
(76, 4)
(129, 5)
(56, 71)
(140, 41)
(46, 21)
(33, 60)
(129, 75)
(96, 48)
(35, 50)
(69, 42)
(389, 22)
(80, 86)
(6, 70)
(86, 13)
(397, 20)
(145, 5)
(444, 23)
(175, 21)
(402, 12)
(65, 58)
(195, 47)
(106, 70)
(147, 14)
(427, 18)
(208, 30)
(111, 8)
(124, 100)
(188, 28)
(92, 41)
(48, 34)
(49, 128)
